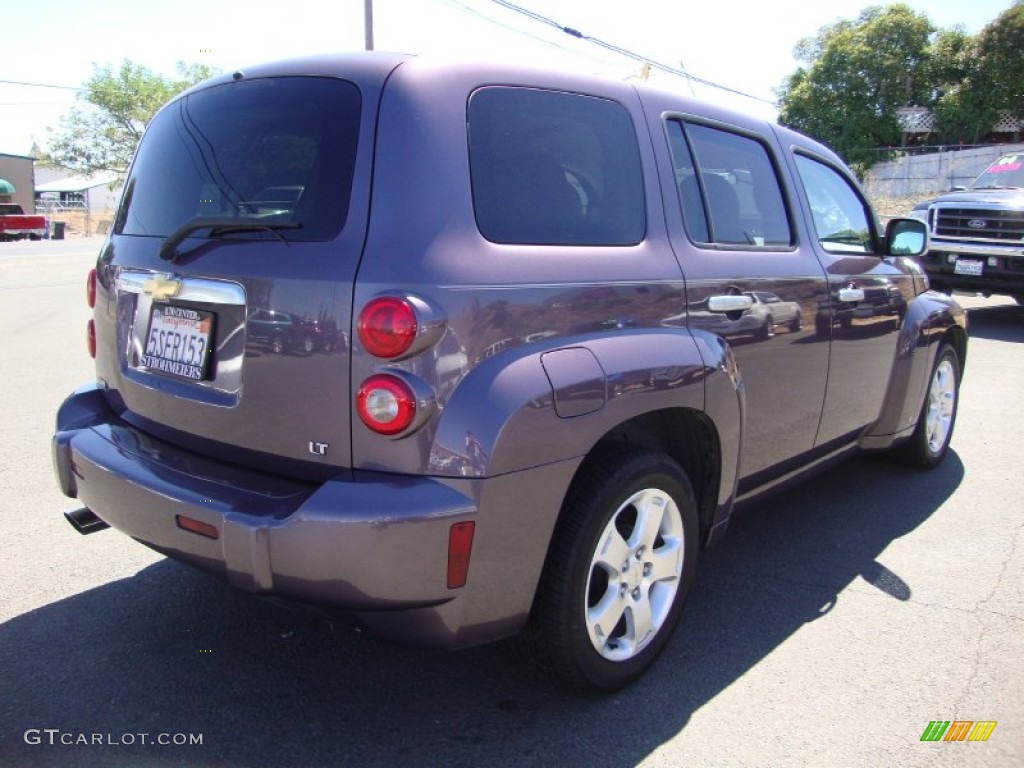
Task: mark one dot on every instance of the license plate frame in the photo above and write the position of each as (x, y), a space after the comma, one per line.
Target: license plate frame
(179, 342)
(969, 267)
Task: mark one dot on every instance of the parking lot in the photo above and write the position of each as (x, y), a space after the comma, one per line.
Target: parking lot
(830, 627)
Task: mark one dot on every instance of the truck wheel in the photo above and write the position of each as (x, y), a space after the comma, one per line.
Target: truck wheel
(930, 441)
(618, 571)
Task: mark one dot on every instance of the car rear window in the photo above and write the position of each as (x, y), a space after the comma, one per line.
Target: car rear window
(554, 168)
(275, 150)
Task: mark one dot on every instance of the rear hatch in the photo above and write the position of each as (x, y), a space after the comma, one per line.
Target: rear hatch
(225, 308)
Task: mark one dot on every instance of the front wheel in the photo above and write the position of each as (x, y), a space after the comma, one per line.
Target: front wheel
(928, 445)
(618, 571)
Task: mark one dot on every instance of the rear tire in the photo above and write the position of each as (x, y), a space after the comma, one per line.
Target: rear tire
(620, 565)
(928, 445)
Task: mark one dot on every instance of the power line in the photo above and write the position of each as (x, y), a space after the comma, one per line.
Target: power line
(41, 85)
(572, 32)
(469, 10)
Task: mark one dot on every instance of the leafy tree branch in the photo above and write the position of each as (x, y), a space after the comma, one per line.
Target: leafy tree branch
(101, 132)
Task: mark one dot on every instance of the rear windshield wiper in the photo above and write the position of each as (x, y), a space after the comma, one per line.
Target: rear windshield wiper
(219, 225)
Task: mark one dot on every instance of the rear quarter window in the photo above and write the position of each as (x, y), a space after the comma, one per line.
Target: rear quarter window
(279, 150)
(554, 168)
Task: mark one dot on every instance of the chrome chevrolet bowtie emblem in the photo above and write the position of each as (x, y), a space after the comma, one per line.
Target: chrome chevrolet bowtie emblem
(161, 288)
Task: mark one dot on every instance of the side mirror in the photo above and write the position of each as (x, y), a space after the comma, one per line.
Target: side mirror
(906, 237)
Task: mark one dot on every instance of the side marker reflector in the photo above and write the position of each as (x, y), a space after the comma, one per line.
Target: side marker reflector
(197, 526)
(460, 545)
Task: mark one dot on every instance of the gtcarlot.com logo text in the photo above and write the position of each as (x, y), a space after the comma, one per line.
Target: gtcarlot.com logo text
(57, 737)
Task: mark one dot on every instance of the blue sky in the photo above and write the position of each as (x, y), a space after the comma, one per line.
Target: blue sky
(744, 44)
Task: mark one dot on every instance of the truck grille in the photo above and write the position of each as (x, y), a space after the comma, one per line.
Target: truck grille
(996, 225)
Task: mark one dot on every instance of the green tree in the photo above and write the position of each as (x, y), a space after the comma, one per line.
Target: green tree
(101, 132)
(853, 77)
(979, 79)
(962, 105)
(999, 63)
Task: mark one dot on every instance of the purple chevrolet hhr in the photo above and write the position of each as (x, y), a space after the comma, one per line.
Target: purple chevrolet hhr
(460, 351)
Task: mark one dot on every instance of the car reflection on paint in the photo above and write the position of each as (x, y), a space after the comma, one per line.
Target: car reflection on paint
(283, 332)
(762, 320)
(772, 313)
(882, 299)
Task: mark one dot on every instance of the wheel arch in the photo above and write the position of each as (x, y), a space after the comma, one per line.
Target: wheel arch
(687, 436)
(956, 337)
(930, 320)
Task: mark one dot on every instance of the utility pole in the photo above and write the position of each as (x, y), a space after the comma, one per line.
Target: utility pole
(368, 23)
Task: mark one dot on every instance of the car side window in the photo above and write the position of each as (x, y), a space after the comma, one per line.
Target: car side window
(840, 215)
(553, 168)
(729, 190)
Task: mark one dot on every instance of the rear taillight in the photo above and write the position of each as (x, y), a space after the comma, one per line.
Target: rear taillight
(90, 288)
(90, 298)
(386, 404)
(387, 327)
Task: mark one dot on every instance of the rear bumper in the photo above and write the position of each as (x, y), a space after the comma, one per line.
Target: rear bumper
(371, 545)
(22, 232)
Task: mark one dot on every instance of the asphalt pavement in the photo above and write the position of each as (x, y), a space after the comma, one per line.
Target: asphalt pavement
(830, 627)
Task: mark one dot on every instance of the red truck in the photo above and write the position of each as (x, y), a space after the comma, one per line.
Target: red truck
(16, 225)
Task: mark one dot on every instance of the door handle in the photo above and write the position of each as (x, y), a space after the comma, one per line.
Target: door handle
(729, 303)
(851, 295)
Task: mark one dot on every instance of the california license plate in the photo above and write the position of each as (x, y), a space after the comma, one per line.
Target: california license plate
(968, 267)
(178, 342)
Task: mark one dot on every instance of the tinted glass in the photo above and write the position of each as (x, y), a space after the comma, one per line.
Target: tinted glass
(552, 168)
(840, 215)
(734, 176)
(279, 150)
(694, 216)
(741, 187)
